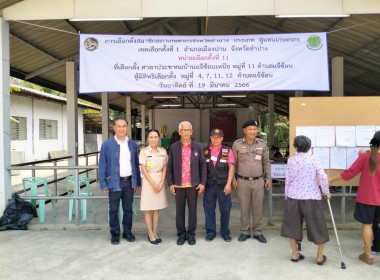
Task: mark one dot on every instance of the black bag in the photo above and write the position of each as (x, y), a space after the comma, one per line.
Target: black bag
(17, 214)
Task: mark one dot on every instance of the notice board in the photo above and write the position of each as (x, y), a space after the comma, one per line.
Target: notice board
(332, 111)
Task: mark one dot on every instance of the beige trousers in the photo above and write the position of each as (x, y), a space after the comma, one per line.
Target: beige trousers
(251, 195)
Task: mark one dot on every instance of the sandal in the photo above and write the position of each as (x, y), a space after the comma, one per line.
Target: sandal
(363, 257)
(322, 262)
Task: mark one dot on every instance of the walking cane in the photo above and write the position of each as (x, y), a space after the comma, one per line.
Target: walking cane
(342, 265)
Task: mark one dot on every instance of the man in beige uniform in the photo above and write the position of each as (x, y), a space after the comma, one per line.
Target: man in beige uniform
(253, 167)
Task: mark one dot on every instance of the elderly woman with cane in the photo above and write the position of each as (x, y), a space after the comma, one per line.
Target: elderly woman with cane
(367, 208)
(303, 200)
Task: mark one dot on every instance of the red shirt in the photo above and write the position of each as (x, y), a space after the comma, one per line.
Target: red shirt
(369, 186)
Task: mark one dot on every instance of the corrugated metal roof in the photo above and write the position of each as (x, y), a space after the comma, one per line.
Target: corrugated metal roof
(24, 91)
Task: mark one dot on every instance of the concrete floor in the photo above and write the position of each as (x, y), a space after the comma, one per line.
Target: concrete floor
(58, 249)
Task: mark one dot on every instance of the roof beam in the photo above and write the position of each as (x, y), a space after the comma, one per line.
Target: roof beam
(73, 27)
(50, 67)
(126, 26)
(171, 29)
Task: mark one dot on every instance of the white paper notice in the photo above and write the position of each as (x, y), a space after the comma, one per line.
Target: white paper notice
(345, 136)
(353, 153)
(325, 136)
(337, 158)
(278, 170)
(323, 154)
(308, 131)
(364, 134)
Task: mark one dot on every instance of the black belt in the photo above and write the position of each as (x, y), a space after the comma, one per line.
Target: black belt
(248, 178)
(125, 178)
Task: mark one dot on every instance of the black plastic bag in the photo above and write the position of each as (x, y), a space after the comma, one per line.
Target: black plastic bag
(17, 214)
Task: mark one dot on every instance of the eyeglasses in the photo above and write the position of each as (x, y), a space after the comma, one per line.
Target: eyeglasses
(186, 130)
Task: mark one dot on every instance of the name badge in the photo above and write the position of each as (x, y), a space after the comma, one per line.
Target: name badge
(223, 160)
(214, 158)
(150, 163)
(208, 160)
(224, 150)
(257, 157)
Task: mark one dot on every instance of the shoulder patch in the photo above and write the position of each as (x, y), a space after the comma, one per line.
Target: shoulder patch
(162, 148)
(143, 149)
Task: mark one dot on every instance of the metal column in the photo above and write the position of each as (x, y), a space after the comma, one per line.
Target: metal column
(5, 129)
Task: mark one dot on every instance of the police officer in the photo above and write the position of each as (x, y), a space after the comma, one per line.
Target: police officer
(220, 172)
(253, 174)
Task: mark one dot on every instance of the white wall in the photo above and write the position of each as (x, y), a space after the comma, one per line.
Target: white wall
(172, 117)
(34, 110)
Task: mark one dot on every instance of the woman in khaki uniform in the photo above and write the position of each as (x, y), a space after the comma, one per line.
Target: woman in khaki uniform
(153, 161)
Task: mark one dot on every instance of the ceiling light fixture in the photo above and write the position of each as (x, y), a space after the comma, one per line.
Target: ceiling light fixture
(103, 19)
(312, 16)
(165, 97)
(235, 96)
(170, 105)
(225, 105)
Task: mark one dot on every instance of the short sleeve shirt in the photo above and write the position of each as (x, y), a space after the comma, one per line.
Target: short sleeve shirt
(154, 160)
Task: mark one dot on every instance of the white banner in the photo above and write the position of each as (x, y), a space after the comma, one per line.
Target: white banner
(141, 63)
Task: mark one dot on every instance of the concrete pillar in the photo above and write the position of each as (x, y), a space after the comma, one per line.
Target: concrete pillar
(198, 125)
(298, 93)
(72, 112)
(105, 117)
(143, 138)
(150, 112)
(128, 113)
(5, 123)
(337, 76)
(271, 119)
(253, 113)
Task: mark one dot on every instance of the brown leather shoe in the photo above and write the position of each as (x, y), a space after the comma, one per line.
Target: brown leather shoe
(365, 259)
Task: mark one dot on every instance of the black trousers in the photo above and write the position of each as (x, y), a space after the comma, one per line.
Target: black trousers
(182, 196)
(126, 197)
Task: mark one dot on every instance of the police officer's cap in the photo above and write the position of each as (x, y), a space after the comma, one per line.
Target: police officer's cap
(217, 132)
(249, 123)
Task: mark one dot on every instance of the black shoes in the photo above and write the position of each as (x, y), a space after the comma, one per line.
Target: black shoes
(300, 258)
(322, 262)
(191, 240)
(159, 240)
(129, 237)
(243, 237)
(181, 239)
(155, 242)
(115, 239)
(260, 238)
(209, 238)
(226, 237)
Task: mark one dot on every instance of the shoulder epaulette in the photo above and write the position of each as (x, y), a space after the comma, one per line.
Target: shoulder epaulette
(238, 140)
(162, 148)
(143, 148)
(260, 140)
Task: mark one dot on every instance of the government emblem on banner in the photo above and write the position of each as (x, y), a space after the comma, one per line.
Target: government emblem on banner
(314, 42)
(91, 44)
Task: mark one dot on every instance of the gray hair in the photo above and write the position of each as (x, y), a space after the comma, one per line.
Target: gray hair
(302, 143)
(184, 122)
